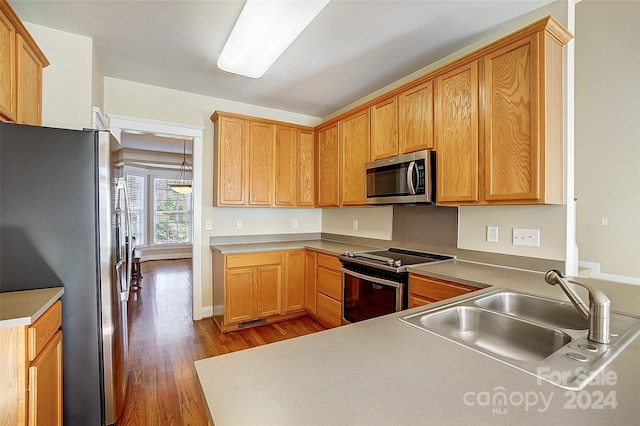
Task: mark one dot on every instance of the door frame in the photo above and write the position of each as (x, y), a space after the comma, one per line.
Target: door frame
(120, 123)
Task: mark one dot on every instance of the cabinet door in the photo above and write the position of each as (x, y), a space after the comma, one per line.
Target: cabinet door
(286, 160)
(29, 82)
(457, 135)
(512, 140)
(261, 163)
(384, 129)
(415, 118)
(310, 281)
(355, 152)
(239, 298)
(294, 264)
(328, 168)
(269, 290)
(45, 385)
(8, 87)
(231, 136)
(306, 188)
(329, 311)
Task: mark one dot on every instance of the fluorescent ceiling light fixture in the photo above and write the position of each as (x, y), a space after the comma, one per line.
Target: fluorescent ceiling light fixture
(263, 32)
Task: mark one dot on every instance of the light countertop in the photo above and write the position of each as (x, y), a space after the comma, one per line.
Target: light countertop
(385, 372)
(330, 247)
(19, 308)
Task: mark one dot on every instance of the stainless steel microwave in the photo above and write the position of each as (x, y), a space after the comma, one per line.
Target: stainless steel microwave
(407, 178)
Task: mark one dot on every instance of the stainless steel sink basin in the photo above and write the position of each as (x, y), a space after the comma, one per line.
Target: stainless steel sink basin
(537, 335)
(502, 335)
(553, 312)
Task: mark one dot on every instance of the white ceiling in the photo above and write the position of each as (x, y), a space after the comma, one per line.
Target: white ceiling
(350, 50)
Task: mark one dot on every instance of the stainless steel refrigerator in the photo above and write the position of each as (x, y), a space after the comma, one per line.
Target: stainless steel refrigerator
(64, 222)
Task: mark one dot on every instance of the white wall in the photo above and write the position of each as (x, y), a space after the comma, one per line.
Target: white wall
(263, 221)
(607, 126)
(67, 81)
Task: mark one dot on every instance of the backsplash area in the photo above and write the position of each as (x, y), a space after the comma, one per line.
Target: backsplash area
(431, 225)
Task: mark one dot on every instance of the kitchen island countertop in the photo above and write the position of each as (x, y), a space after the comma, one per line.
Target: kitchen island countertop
(385, 372)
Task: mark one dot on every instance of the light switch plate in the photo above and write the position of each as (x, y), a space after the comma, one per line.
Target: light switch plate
(526, 237)
(492, 234)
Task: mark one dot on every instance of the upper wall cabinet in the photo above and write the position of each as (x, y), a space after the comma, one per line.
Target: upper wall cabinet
(384, 129)
(457, 134)
(355, 153)
(415, 118)
(403, 123)
(505, 147)
(21, 63)
(261, 162)
(328, 167)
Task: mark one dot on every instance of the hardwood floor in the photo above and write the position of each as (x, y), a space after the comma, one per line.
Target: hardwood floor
(164, 342)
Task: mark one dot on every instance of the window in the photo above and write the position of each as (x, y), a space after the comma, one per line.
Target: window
(171, 214)
(136, 191)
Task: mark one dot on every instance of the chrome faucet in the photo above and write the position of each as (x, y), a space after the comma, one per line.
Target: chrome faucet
(599, 312)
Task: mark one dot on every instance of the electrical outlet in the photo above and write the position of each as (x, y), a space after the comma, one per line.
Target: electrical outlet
(239, 224)
(294, 223)
(354, 224)
(492, 234)
(526, 237)
(208, 225)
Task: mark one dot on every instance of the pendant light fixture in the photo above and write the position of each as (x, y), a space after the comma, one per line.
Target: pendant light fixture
(182, 182)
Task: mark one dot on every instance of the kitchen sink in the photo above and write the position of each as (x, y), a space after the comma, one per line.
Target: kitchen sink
(537, 335)
(548, 311)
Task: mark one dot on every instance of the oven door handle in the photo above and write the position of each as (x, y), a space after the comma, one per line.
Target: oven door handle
(376, 280)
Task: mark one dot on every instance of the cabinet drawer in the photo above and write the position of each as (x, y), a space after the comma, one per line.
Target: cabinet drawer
(253, 259)
(417, 301)
(43, 329)
(330, 283)
(330, 262)
(329, 310)
(433, 289)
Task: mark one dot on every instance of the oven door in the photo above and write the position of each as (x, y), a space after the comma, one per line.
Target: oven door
(365, 296)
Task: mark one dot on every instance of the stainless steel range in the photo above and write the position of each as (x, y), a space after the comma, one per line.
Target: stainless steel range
(374, 282)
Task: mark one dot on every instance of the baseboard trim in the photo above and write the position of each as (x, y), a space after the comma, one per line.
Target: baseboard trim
(595, 273)
(217, 310)
(207, 311)
(150, 257)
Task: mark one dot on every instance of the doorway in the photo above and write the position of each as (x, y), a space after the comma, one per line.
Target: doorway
(118, 125)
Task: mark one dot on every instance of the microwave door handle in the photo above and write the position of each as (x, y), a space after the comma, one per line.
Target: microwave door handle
(410, 184)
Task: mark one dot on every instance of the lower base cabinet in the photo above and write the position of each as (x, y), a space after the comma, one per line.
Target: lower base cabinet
(424, 290)
(327, 280)
(31, 372)
(261, 287)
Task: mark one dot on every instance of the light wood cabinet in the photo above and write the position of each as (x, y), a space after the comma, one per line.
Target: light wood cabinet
(231, 160)
(21, 63)
(355, 153)
(286, 164)
(415, 118)
(31, 371)
(261, 163)
(523, 137)
(260, 287)
(306, 167)
(310, 281)
(328, 167)
(424, 290)
(505, 147)
(294, 281)
(329, 290)
(384, 129)
(252, 286)
(456, 142)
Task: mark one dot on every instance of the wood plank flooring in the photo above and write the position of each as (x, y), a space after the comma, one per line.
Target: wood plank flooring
(164, 342)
